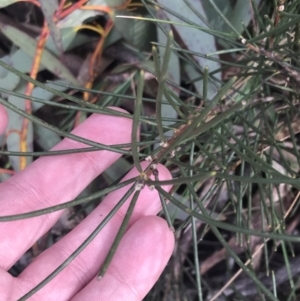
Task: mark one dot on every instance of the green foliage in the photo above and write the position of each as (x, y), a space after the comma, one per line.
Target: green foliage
(230, 142)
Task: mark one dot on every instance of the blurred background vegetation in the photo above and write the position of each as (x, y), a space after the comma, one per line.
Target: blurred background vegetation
(214, 85)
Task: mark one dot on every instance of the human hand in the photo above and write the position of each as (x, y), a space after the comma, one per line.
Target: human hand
(142, 254)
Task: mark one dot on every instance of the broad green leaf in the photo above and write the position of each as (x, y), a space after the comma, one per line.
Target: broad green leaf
(112, 37)
(29, 44)
(138, 33)
(45, 95)
(8, 80)
(69, 41)
(242, 14)
(195, 39)
(239, 15)
(19, 60)
(78, 16)
(45, 138)
(22, 61)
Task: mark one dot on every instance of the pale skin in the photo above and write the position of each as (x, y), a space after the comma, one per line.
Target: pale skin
(144, 250)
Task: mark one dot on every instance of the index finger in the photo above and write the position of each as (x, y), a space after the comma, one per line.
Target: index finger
(3, 119)
(54, 180)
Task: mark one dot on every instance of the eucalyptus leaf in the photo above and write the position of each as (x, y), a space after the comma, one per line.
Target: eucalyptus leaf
(29, 45)
(71, 39)
(45, 138)
(19, 60)
(79, 16)
(134, 31)
(23, 61)
(193, 38)
(239, 15)
(113, 36)
(41, 93)
(8, 80)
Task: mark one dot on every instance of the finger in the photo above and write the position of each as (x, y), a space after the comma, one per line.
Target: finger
(85, 266)
(53, 180)
(142, 256)
(3, 119)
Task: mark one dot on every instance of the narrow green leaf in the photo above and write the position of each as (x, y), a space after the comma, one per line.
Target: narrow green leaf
(159, 93)
(136, 121)
(205, 84)
(57, 130)
(119, 236)
(78, 201)
(215, 223)
(194, 230)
